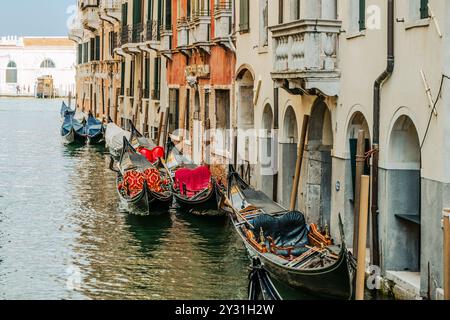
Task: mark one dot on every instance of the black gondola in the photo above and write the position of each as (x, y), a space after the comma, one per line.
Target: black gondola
(260, 285)
(286, 246)
(146, 201)
(193, 186)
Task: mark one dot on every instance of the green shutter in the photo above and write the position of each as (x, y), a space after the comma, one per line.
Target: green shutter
(137, 16)
(362, 15)
(122, 79)
(124, 14)
(150, 10)
(97, 48)
(424, 9)
(156, 79)
(168, 14)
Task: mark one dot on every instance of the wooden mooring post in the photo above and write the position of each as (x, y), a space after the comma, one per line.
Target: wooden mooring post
(362, 237)
(446, 254)
(298, 167)
(359, 172)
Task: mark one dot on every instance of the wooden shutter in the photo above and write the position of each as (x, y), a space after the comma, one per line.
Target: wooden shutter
(424, 9)
(244, 24)
(362, 15)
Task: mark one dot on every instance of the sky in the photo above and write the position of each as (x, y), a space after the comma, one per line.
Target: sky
(35, 17)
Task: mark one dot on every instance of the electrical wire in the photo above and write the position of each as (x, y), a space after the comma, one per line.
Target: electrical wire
(434, 109)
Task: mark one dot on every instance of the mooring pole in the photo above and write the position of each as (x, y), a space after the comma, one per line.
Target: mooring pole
(447, 254)
(70, 98)
(298, 167)
(359, 172)
(362, 237)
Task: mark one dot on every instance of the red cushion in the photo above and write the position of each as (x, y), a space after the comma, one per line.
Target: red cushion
(194, 180)
(153, 178)
(148, 154)
(134, 182)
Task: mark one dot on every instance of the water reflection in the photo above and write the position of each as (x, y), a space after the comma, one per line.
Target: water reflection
(63, 235)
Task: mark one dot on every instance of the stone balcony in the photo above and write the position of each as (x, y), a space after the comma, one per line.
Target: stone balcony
(305, 55)
(90, 17)
(76, 32)
(223, 13)
(110, 10)
(199, 29)
(182, 34)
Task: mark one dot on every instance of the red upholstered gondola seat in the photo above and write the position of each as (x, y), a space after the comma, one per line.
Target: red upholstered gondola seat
(192, 181)
(154, 181)
(134, 182)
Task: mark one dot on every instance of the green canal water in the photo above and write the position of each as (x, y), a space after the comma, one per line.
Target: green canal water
(64, 235)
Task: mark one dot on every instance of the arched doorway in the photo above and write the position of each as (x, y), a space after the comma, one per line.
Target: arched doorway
(288, 149)
(245, 124)
(267, 157)
(357, 122)
(319, 165)
(403, 188)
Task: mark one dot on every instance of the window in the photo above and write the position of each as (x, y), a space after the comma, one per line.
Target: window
(11, 72)
(124, 14)
(188, 110)
(264, 23)
(244, 21)
(97, 48)
(156, 79)
(362, 15)
(424, 9)
(280, 11)
(295, 9)
(47, 63)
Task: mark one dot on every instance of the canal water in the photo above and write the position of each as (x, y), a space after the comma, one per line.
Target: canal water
(63, 234)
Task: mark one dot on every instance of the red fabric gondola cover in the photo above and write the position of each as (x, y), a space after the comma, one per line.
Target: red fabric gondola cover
(194, 180)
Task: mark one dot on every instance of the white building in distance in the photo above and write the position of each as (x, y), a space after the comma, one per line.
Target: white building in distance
(24, 59)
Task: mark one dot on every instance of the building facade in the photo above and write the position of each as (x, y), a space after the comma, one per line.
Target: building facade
(232, 81)
(24, 59)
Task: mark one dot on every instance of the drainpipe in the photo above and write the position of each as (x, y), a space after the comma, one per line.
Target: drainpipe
(376, 130)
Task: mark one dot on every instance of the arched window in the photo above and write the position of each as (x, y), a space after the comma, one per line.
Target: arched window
(11, 72)
(47, 63)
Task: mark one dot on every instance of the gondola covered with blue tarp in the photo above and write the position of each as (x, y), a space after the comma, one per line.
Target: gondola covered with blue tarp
(71, 130)
(94, 130)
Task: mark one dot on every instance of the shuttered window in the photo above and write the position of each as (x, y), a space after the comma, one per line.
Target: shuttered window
(92, 49)
(137, 11)
(244, 16)
(362, 15)
(122, 79)
(156, 79)
(424, 9)
(124, 14)
(97, 48)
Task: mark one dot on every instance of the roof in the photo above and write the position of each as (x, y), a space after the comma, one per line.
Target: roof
(47, 42)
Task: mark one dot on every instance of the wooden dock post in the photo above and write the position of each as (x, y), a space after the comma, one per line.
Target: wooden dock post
(362, 237)
(447, 254)
(298, 168)
(360, 150)
(70, 99)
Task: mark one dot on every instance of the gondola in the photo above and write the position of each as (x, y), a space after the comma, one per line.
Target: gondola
(72, 131)
(114, 138)
(140, 184)
(193, 186)
(94, 130)
(291, 251)
(260, 285)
